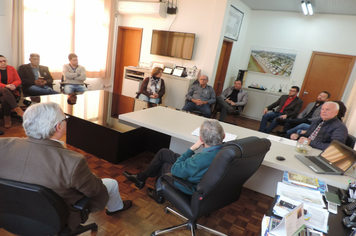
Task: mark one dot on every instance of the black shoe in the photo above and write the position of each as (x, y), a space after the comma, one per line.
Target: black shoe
(127, 205)
(1, 132)
(152, 194)
(233, 111)
(133, 179)
(280, 133)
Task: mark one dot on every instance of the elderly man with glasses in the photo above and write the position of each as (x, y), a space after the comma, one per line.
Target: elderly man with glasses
(42, 159)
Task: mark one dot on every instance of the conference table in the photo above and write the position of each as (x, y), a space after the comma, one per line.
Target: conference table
(179, 125)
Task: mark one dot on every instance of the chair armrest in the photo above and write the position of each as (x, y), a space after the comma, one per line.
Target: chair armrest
(181, 181)
(83, 206)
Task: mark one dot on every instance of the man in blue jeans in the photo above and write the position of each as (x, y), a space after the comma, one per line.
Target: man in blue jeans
(200, 97)
(288, 107)
(74, 76)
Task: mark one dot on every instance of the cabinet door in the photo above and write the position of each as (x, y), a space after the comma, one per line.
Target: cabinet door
(255, 105)
(177, 91)
(165, 98)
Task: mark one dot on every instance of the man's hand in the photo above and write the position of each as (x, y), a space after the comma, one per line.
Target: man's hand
(294, 136)
(10, 86)
(283, 117)
(302, 139)
(232, 103)
(265, 111)
(303, 132)
(228, 101)
(44, 82)
(199, 102)
(38, 82)
(197, 145)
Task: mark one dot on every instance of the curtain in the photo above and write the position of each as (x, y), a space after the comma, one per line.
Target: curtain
(56, 28)
(350, 117)
(17, 33)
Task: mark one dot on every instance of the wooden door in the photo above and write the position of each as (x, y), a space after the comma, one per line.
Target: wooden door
(127, 54)
(222, 67)
(326, 72)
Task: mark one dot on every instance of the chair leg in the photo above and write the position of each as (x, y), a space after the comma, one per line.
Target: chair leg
(213, 231)
(79, 230)
(189, 225)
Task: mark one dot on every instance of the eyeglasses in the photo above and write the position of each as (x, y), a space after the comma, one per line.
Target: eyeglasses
(3, 61)
(65, 119)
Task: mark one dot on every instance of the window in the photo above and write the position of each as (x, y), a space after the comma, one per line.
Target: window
(58, 27)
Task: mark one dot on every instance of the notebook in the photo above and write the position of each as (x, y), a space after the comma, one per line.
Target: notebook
(335, 159)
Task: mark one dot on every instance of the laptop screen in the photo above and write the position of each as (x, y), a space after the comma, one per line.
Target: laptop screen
(340, 155)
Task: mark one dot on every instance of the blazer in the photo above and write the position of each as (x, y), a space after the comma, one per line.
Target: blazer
(291, 110)
(46, 162)
(242, 96)
(316, 113)
(28, 78)
(12, 78)
(332, 129)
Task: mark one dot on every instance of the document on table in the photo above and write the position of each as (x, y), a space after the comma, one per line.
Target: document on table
(228, 137)
(309, 197)
(282, 140)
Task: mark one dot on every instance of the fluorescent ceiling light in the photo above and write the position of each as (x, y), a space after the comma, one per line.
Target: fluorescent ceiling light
(304, 7)
(310, 8)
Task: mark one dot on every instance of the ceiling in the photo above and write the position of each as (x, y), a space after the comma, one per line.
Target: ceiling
(338, 7)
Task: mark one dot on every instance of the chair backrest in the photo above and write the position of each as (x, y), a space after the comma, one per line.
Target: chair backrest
(350, 141)
(29, 209)
(221, 185)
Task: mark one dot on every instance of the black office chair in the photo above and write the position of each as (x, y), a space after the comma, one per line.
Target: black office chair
(220, 186)
(239, 112)
(29, 209)
(61, 85)
(350, 141)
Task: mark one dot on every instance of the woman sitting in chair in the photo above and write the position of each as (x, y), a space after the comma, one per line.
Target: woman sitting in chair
(9, 82)
(152, 88)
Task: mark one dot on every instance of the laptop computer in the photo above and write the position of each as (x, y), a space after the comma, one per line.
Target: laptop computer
(334, 160)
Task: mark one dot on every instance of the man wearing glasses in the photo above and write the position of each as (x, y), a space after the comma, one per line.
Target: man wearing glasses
(42, 159)
(288, 107)
(200, 97)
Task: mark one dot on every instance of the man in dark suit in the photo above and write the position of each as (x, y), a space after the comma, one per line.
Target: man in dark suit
(288, 107)
(42, 159)
(36, 79)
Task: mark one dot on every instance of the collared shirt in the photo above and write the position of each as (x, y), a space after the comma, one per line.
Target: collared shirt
(36, 71)
(59, 141)
(196, 91)
(288, 101)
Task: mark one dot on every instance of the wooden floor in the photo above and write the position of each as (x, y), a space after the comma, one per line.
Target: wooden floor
(145, 216)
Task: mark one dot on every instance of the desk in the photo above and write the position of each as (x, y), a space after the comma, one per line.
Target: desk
(336, 227)
(179, 126)
(89, 128)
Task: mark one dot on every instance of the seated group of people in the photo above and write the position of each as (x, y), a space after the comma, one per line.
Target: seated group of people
(35, 80)
(50, 164)
(321, 115)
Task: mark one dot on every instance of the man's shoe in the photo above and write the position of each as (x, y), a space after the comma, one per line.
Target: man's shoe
(127, 205)
(133, 179)
(152, 194)
(232, 112)
(1, 132)
(280, 133)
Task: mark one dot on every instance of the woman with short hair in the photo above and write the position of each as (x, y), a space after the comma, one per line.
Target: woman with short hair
(152, 88)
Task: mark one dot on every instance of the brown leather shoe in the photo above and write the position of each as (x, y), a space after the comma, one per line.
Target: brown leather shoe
(7, 121)
(19, 111)
(127, 205)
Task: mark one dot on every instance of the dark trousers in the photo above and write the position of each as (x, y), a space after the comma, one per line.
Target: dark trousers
(8, 101)
(291, 123)
(161, 163)
(191, 106)
(225, 107)
(269, 117)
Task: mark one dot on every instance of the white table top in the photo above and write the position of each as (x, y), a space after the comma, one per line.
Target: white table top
(181, 124)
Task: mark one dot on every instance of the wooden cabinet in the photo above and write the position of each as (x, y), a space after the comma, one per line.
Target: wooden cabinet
(257, 101)
(176, 87)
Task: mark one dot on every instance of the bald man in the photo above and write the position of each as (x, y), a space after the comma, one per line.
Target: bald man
(323, 131)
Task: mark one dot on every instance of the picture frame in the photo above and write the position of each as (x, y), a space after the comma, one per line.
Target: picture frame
(157, 64)
(234, 23)
(178, 71)
(168, 70)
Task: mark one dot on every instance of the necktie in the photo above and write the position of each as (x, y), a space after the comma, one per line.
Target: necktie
(316, 131)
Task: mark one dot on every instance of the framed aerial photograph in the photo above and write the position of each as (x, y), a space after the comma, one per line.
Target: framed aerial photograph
(272, 61)
(234, 23)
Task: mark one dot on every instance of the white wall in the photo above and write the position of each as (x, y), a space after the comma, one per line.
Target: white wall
(202, 17)
(320, 32)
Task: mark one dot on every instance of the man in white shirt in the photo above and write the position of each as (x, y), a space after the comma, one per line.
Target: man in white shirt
(74, 76)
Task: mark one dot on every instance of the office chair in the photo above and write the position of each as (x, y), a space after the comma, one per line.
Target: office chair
(350, 141)
(61, 85)
(30, 209)
(239, 112)
(221, 185)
